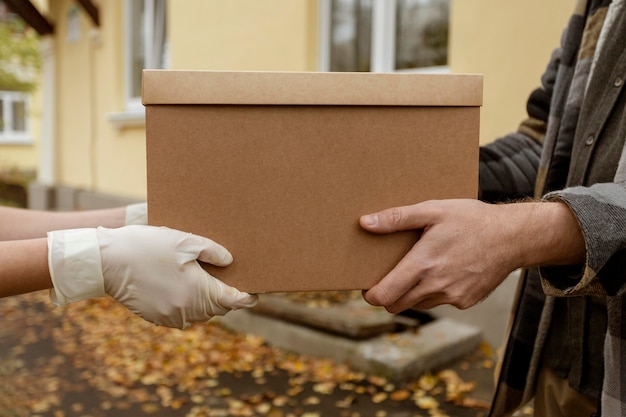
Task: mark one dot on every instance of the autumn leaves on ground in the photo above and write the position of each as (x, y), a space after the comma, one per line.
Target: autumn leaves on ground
(95, 359)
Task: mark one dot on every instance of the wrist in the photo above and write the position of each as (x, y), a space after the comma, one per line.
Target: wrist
(549, 234)
(75, 266)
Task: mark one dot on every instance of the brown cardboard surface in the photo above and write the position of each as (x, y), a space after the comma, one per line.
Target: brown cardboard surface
(280, 177)
(315, 88)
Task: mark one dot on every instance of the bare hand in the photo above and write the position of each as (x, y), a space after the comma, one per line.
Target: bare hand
(467, 248)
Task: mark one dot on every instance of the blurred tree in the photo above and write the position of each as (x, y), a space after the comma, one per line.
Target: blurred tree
(19, 54)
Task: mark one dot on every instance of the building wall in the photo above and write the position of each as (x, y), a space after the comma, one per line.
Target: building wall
(23, 157)
(92, 153)
(509, 42)
(244, 35)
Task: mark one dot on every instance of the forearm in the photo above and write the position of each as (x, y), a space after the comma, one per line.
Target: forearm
(545, 233)
(16, 224)
(24, 266)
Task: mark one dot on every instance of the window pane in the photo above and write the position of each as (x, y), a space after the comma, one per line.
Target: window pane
(159, 52)
(137, 46)
(147, 40)
(422, 33)
(2, 128)
(351, 32)
(19, 116)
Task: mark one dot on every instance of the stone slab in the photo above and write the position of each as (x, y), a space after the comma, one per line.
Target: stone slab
(353, 318)
(398, 356)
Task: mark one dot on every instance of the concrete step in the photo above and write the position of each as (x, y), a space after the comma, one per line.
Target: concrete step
(397, 355)
(351, 317)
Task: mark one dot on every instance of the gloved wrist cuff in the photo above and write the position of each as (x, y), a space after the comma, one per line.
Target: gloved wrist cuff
(136, 214)
(75, 266)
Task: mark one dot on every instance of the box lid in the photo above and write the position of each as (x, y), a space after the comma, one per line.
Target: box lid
(310, 88)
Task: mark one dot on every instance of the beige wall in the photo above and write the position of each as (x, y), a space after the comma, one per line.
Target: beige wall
(238, 35)
(92, 153)
(244, 34)
(22, 157)
(510, 43)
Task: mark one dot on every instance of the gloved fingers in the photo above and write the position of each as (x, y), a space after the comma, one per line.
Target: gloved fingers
(209, 251)
(136, 214)
(220, 298)
(235, 299)
(154, 271)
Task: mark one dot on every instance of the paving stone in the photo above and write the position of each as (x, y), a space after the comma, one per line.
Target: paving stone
(409, 354)
(353, 318)
(397, 356)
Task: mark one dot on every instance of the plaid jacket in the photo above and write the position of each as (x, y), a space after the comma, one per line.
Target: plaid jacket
(571, 149)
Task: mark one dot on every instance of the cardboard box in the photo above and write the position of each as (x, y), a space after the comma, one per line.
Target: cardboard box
(278, 166)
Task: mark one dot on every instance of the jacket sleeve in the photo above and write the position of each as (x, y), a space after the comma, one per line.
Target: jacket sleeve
(601, 213)
(508, 166)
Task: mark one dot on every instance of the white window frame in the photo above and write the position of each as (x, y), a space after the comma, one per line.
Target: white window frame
(134, 102)
(8, 136)
(134, 112)
(383, 38)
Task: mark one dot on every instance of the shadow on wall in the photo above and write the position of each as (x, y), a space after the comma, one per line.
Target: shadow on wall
(62, 198)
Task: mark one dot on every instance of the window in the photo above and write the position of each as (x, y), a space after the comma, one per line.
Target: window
(146, 44)
(384, 35)
(14, 124)
(351, 33)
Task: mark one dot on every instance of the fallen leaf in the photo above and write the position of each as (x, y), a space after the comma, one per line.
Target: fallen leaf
(224, 392)
(347, 386)
(263, 408)
(311, 400)
(427, 382)
(346, 402)
(274, 412)
(149, 408)
(377, 380)
(427, 403)
(379, 398)
(400, 395)
(486, 349)
(325, 388)
(280, 401)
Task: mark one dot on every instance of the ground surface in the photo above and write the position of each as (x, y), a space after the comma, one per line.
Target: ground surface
(95, 359)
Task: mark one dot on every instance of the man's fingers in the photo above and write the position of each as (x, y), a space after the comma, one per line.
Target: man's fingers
(394, 302)
(401, 282)
(394, 219)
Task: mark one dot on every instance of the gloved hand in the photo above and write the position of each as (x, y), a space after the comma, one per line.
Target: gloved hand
(136, 214)
(151, 270)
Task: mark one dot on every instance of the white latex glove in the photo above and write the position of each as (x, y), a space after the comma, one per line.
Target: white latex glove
(136, 214)
(151, 270)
